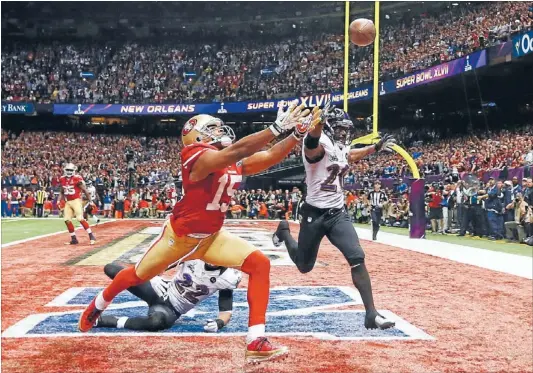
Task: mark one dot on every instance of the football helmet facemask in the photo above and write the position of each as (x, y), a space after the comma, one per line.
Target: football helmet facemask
(338, 126)
(70, 169)
(207, 129)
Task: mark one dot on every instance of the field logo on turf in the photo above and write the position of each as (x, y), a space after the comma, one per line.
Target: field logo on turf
(131, 247)
(323, 312)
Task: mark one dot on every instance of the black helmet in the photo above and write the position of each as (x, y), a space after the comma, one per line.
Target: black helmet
(338, 126)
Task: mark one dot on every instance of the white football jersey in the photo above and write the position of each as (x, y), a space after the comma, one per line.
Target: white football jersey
(193, 283)
(325, 178)
(92, 192)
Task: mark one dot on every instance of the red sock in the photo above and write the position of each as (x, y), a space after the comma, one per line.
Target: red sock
(257, 266)
(84, 224)
(123, 280)
(70, 226)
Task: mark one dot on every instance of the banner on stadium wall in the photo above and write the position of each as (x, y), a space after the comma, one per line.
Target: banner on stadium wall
(359, 94)
(500, 53)
(17, 108)
(445, 70)
(523, 44)
(470, 62)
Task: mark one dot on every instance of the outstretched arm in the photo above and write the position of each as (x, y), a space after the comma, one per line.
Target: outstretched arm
(313, 150)
(386, 143)
(356, 154)
(264, 160)
(211, 160)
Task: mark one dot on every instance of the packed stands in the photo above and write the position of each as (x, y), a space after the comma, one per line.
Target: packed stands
(247, 67)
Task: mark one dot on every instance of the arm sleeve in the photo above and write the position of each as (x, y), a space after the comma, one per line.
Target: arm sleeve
(225, 300)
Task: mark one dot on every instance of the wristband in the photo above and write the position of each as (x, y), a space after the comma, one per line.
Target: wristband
(311, 142)
(276, 130)
(220, 323)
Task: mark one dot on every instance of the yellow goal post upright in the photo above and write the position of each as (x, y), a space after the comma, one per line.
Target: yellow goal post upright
(416, 196)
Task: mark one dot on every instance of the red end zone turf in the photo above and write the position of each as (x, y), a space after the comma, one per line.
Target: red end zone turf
(481, 320)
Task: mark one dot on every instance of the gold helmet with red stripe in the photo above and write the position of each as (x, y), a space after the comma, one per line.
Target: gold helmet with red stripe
(207, 129)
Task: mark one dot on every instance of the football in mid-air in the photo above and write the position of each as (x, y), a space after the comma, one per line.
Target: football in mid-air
(362, 32)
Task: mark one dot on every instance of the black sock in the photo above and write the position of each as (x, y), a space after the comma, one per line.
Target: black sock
(362, 282)
(290, 243)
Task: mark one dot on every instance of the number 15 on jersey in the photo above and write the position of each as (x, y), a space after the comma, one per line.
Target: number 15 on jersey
(223, 184)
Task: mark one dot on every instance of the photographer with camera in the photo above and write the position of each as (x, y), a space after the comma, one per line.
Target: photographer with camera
(520, 208)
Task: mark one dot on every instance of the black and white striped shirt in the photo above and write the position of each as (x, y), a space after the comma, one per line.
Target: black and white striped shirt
(377, 198)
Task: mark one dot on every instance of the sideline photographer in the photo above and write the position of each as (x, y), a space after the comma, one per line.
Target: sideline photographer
(522, 219)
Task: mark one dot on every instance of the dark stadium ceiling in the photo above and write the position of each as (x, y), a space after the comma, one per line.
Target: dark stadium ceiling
(35, 19)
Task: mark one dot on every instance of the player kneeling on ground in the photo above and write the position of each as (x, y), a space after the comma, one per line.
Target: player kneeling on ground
(169, 299)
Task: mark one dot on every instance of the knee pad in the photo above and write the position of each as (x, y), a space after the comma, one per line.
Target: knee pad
(156, 322)
(305, 267)
(356, 262)
(162, 316)
(111, 270)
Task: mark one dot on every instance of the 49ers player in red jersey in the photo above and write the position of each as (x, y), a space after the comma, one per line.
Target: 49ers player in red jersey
(212, 169)
(71, 188)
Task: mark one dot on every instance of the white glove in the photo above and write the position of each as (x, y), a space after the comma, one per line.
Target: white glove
(160, 285)
(307, 123)
(213, 326)
(287, 119)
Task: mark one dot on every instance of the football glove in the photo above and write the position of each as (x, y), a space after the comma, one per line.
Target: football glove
(287, 119)
(307, 123)
(386, 143)
(213, 326)
(327, 111)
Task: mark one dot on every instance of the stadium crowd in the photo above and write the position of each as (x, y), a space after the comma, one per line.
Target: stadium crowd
(246, 69)
(452, 156)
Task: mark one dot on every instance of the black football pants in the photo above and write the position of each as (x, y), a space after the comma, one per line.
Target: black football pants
(161, 314)
(316, 223)
(375, 215)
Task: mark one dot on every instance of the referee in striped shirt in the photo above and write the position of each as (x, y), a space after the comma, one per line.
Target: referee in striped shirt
(40, 198)
(376, 198)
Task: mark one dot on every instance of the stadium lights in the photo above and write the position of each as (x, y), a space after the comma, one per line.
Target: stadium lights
(455, 4)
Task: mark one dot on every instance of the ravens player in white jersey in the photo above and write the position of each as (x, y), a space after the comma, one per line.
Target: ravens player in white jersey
(169, 299)
(88, 208)
(327, 158)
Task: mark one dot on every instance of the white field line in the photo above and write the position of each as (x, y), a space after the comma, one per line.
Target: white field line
(47, 235)
(512, 264)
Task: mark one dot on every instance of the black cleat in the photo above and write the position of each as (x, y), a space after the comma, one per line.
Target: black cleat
(73, 241)
(375, 321)
(276, 240)
(92, 239)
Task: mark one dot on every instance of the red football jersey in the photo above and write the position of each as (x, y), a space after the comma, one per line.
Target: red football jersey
(71, 190)
(203, 207)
